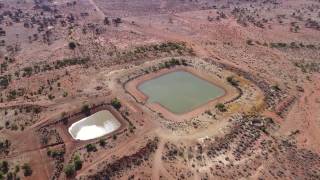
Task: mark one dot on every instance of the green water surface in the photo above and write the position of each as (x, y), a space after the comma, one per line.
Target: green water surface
(180, 91)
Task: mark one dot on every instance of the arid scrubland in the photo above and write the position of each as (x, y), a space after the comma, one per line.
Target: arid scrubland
(62, 60)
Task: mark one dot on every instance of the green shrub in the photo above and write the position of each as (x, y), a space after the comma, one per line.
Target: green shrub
(69, 170)
(70, 62)
(37, 110)
(86, 109)
(114, 137)
(50, 96)
(250, 42)
(276, 87)
(27, 71)
(91, 148)
(77, 163)
(10, 176)
(184, 62)
(232, 81)
(131, 128)
(27, 171)
(16, 168)
(57, 153)
(4, 81)
(72, 45)
(65, 94)
(221, 107)
(49, 152)
(4, 167)
(209, 113)
(116, 103)
(102, 142)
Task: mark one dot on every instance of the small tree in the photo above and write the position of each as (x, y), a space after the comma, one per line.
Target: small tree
(250, 42)
(4, 167)
(116, 103)
(86, 109)
(77, 163)
(65, 94)
(37, 110)
(208, 112)
(131, 128)
(50, 96)
(16, 168)
(91, 148)
(102, 142)
(221, 107)
(70, 170)
(27, 171)
(276, 87)
(232, 81)
(72, 45)
(10, 176)
(117, 21)
(106, 21)
(114, 137)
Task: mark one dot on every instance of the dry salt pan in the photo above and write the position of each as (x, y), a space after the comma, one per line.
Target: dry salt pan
(94, 126)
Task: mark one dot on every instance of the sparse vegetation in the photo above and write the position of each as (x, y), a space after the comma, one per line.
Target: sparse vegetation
(114, 137)
(57, 56)
(4, 81)
(221, 107)
(102, 142)
(276, 87)
(77, 162)
(4, 167)
(65, 94)
(4, 146)
(91, 148)
(55, 153)
(27, 171)
(72, 45)
(233, 81)
(86, 109)
(208, 112)
(159, 50)
(116, 103)
(70, 170)
(51, 97)
(250, 42)
(308, 67)
(75, 165)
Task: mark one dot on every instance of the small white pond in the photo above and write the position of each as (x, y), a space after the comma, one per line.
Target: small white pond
(94, 126)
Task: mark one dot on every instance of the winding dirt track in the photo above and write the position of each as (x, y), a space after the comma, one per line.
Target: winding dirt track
(157, 161)
(157, 167)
